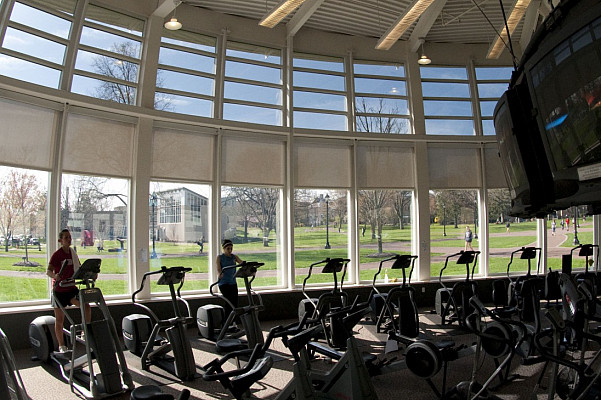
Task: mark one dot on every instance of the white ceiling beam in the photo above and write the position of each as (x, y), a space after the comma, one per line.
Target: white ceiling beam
(425, 23)
(535, 9)
(165, 8)
(302, 15)
(517, 13)
(411, 14)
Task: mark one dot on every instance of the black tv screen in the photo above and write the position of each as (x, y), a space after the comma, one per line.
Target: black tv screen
(522, 154)
(564, 75)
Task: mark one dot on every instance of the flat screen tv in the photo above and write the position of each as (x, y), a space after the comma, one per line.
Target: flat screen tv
(548, 123)
(522, 153)
(563, 70)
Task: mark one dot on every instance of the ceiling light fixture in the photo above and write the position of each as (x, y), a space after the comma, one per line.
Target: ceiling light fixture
(279, 12)
(173, 24)
(423, 59)
(411, 14)
(518, 11)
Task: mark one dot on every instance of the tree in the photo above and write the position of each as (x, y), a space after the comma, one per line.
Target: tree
(261, 204)
(499, 203)
(123, 71)
(379, 118)
(372, 204)
(20, 197)
(339, 209)
(453, 202)
(302, 202)
(401, 201)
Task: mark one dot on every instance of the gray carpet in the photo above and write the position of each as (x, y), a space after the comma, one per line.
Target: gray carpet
(42, 381)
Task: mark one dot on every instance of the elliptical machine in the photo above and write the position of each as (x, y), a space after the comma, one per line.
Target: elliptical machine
(331, 307)
(167, 335)
(102, 345)
(10, 379)
(453, 304)
(209, 317)
(349, 378)
(398, 311)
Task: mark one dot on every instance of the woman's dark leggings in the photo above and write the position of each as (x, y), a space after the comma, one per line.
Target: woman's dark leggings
(230, 292)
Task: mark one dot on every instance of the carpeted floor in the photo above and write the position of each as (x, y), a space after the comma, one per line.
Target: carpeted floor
(43, 383)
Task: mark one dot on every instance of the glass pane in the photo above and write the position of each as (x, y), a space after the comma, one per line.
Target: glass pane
(23, 194)
(260, 94)
(29, 72)
(487, 108)
(109, 42)
(184, 59)
(189, 39)
(508, 234)
(484, 73)
(449, 127)
(41, 20)
(322, 101)
(573, 226)
(381, 105)
(183, 104)
(443, 73)
(311, 120)
(179, 233)
(454, 214)
(95, 210)
(253, 72)
(319, 62)
(252, 52)
(252, 221)
(445, 89)
(185, 82)
(63, 6)
(318, 81)
(448, 108)
(104, 89)
(115, 20)
(488, 127)
(107, 66)
(491, 90)
(383, 124)
(320, 231)
(34, 46)
(380, 86)
(367, 68)
(385, 227)
(254, 115)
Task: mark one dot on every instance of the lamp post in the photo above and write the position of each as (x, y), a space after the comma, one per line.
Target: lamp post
(476, 217)
(153, 204)
(328, 222)
(444, 220)
(576, 242)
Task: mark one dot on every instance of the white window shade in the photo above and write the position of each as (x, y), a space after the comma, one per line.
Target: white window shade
(26, 133)
(453, 167)
(182, 155)
(322, 165)
(254, 161)
(380, 167)
(495, 178)
(98, 146)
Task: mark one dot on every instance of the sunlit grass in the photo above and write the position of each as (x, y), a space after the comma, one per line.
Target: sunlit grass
(309, 248)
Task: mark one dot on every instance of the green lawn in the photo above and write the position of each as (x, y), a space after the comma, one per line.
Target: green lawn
(309, 248)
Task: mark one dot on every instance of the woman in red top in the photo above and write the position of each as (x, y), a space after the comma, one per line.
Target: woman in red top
(68, 295)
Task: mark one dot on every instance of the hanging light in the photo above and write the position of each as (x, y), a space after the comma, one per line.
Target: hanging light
(173, 24)
(423, 59)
